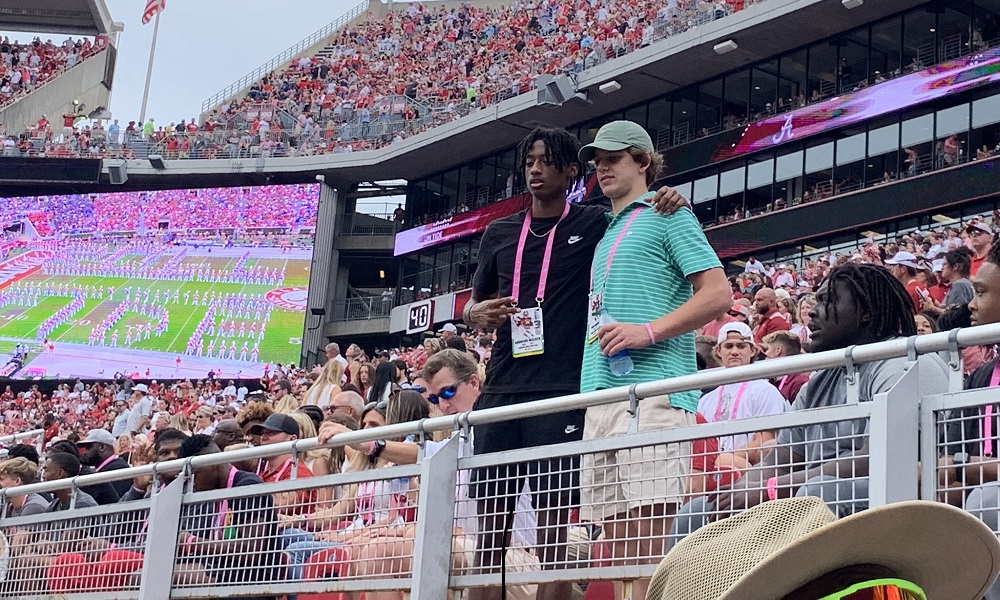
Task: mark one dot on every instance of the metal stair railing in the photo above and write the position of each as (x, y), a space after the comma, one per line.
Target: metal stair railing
(279, 60)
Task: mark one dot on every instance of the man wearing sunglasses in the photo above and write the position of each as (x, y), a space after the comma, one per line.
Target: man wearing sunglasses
(348, 403)
(531, 285)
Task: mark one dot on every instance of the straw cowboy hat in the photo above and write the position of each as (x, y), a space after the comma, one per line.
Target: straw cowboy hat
(773, 549)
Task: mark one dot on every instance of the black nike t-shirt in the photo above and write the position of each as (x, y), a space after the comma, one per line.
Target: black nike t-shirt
(565, 304)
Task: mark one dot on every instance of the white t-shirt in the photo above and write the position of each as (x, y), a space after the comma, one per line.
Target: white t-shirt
(758, 399)
(466, 517)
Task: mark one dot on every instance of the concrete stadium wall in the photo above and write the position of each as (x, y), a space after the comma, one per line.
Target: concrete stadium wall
(85, 82)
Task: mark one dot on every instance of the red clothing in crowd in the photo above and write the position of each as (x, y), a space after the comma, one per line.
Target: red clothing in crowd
(770, 324)
(976, 263)
(789, 385)
(51, 432)
(305, 499)
(712, 328)
(938, 292)
(913, 289)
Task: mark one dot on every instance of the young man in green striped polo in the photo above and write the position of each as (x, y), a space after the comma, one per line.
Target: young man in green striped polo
(660, 280)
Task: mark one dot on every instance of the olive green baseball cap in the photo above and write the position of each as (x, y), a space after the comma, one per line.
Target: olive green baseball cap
(615, 136)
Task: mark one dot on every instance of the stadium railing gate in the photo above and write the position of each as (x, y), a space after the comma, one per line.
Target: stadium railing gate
(413, 541)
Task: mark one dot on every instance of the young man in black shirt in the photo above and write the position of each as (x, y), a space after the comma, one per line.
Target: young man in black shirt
(232, 541)
(532, 285)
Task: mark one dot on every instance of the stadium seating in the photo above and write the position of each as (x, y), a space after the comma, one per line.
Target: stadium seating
(382, 79)
(26, 67)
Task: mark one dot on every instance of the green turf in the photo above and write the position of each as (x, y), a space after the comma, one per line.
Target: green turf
(282, 340)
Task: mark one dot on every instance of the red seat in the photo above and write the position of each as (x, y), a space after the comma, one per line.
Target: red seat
(331, 563)
(600, 590)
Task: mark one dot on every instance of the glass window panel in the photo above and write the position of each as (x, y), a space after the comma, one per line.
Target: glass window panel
(737, 98)
(684, 113)
(732, 181)
(659, 123)
(885, 54)
(954, 30)
(853, 67)
(710, 103)
(986, 111)
(953, 120)
(819, 157)
(788, 166)
(764, 92)
(919, 40)
(792, 80)
(850, 149)
(883, 139)
(760, 173)
(705, 189)
(637, 114)
(822, 70)
(985, 24)
(918, 130)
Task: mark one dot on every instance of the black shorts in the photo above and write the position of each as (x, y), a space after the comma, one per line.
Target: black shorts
(557, 477)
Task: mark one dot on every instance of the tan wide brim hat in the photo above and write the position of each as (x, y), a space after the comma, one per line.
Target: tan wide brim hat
(773, 549)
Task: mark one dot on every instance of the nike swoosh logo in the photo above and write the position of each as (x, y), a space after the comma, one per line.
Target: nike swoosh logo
(574, 239)
(571, 429)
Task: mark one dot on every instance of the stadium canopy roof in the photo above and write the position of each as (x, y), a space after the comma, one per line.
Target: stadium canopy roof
(69, 17)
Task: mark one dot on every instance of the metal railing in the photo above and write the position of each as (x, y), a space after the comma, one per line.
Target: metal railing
(360, 224)
(279, 60)
(25, 435)
(282, 538)
(362, 309)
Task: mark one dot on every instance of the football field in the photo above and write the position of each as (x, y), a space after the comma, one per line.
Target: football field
(281, 342)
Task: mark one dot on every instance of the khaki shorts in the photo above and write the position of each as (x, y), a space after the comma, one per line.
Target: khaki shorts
(617, 481)
(518, 560)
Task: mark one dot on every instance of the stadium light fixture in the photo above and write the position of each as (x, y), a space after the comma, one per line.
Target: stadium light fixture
(610, 87)
(118, 174)
(554, 91)
(725, 47)
(849, 4)
(317, 312)
(156, 161)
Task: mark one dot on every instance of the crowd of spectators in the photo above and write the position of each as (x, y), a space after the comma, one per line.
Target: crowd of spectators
(292, 206)
(358, 96)
(24, 67)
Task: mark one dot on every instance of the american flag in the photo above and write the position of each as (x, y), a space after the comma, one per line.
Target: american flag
(152, 7)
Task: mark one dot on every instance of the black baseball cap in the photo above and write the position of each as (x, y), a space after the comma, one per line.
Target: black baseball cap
(281, 422)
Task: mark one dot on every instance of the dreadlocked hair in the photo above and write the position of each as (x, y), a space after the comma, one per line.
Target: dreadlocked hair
(877, 293)
(562, 149)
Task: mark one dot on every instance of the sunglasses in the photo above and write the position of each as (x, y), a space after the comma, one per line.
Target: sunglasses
(880, 589)
(418, 389)
(445, 394)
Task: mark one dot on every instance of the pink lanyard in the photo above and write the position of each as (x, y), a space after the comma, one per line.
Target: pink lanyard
(224, 505)
(988, 417)
(736, 403)
(614, 248)
(543, 277)
(781, 384)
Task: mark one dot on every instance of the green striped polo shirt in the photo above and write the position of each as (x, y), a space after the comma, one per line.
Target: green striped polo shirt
(648, 279)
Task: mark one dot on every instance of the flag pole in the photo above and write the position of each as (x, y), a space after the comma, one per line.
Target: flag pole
(149, 69)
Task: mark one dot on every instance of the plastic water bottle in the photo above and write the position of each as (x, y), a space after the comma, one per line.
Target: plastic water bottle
(619, 363)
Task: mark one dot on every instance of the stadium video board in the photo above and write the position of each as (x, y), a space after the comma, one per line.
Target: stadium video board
(167, 284)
